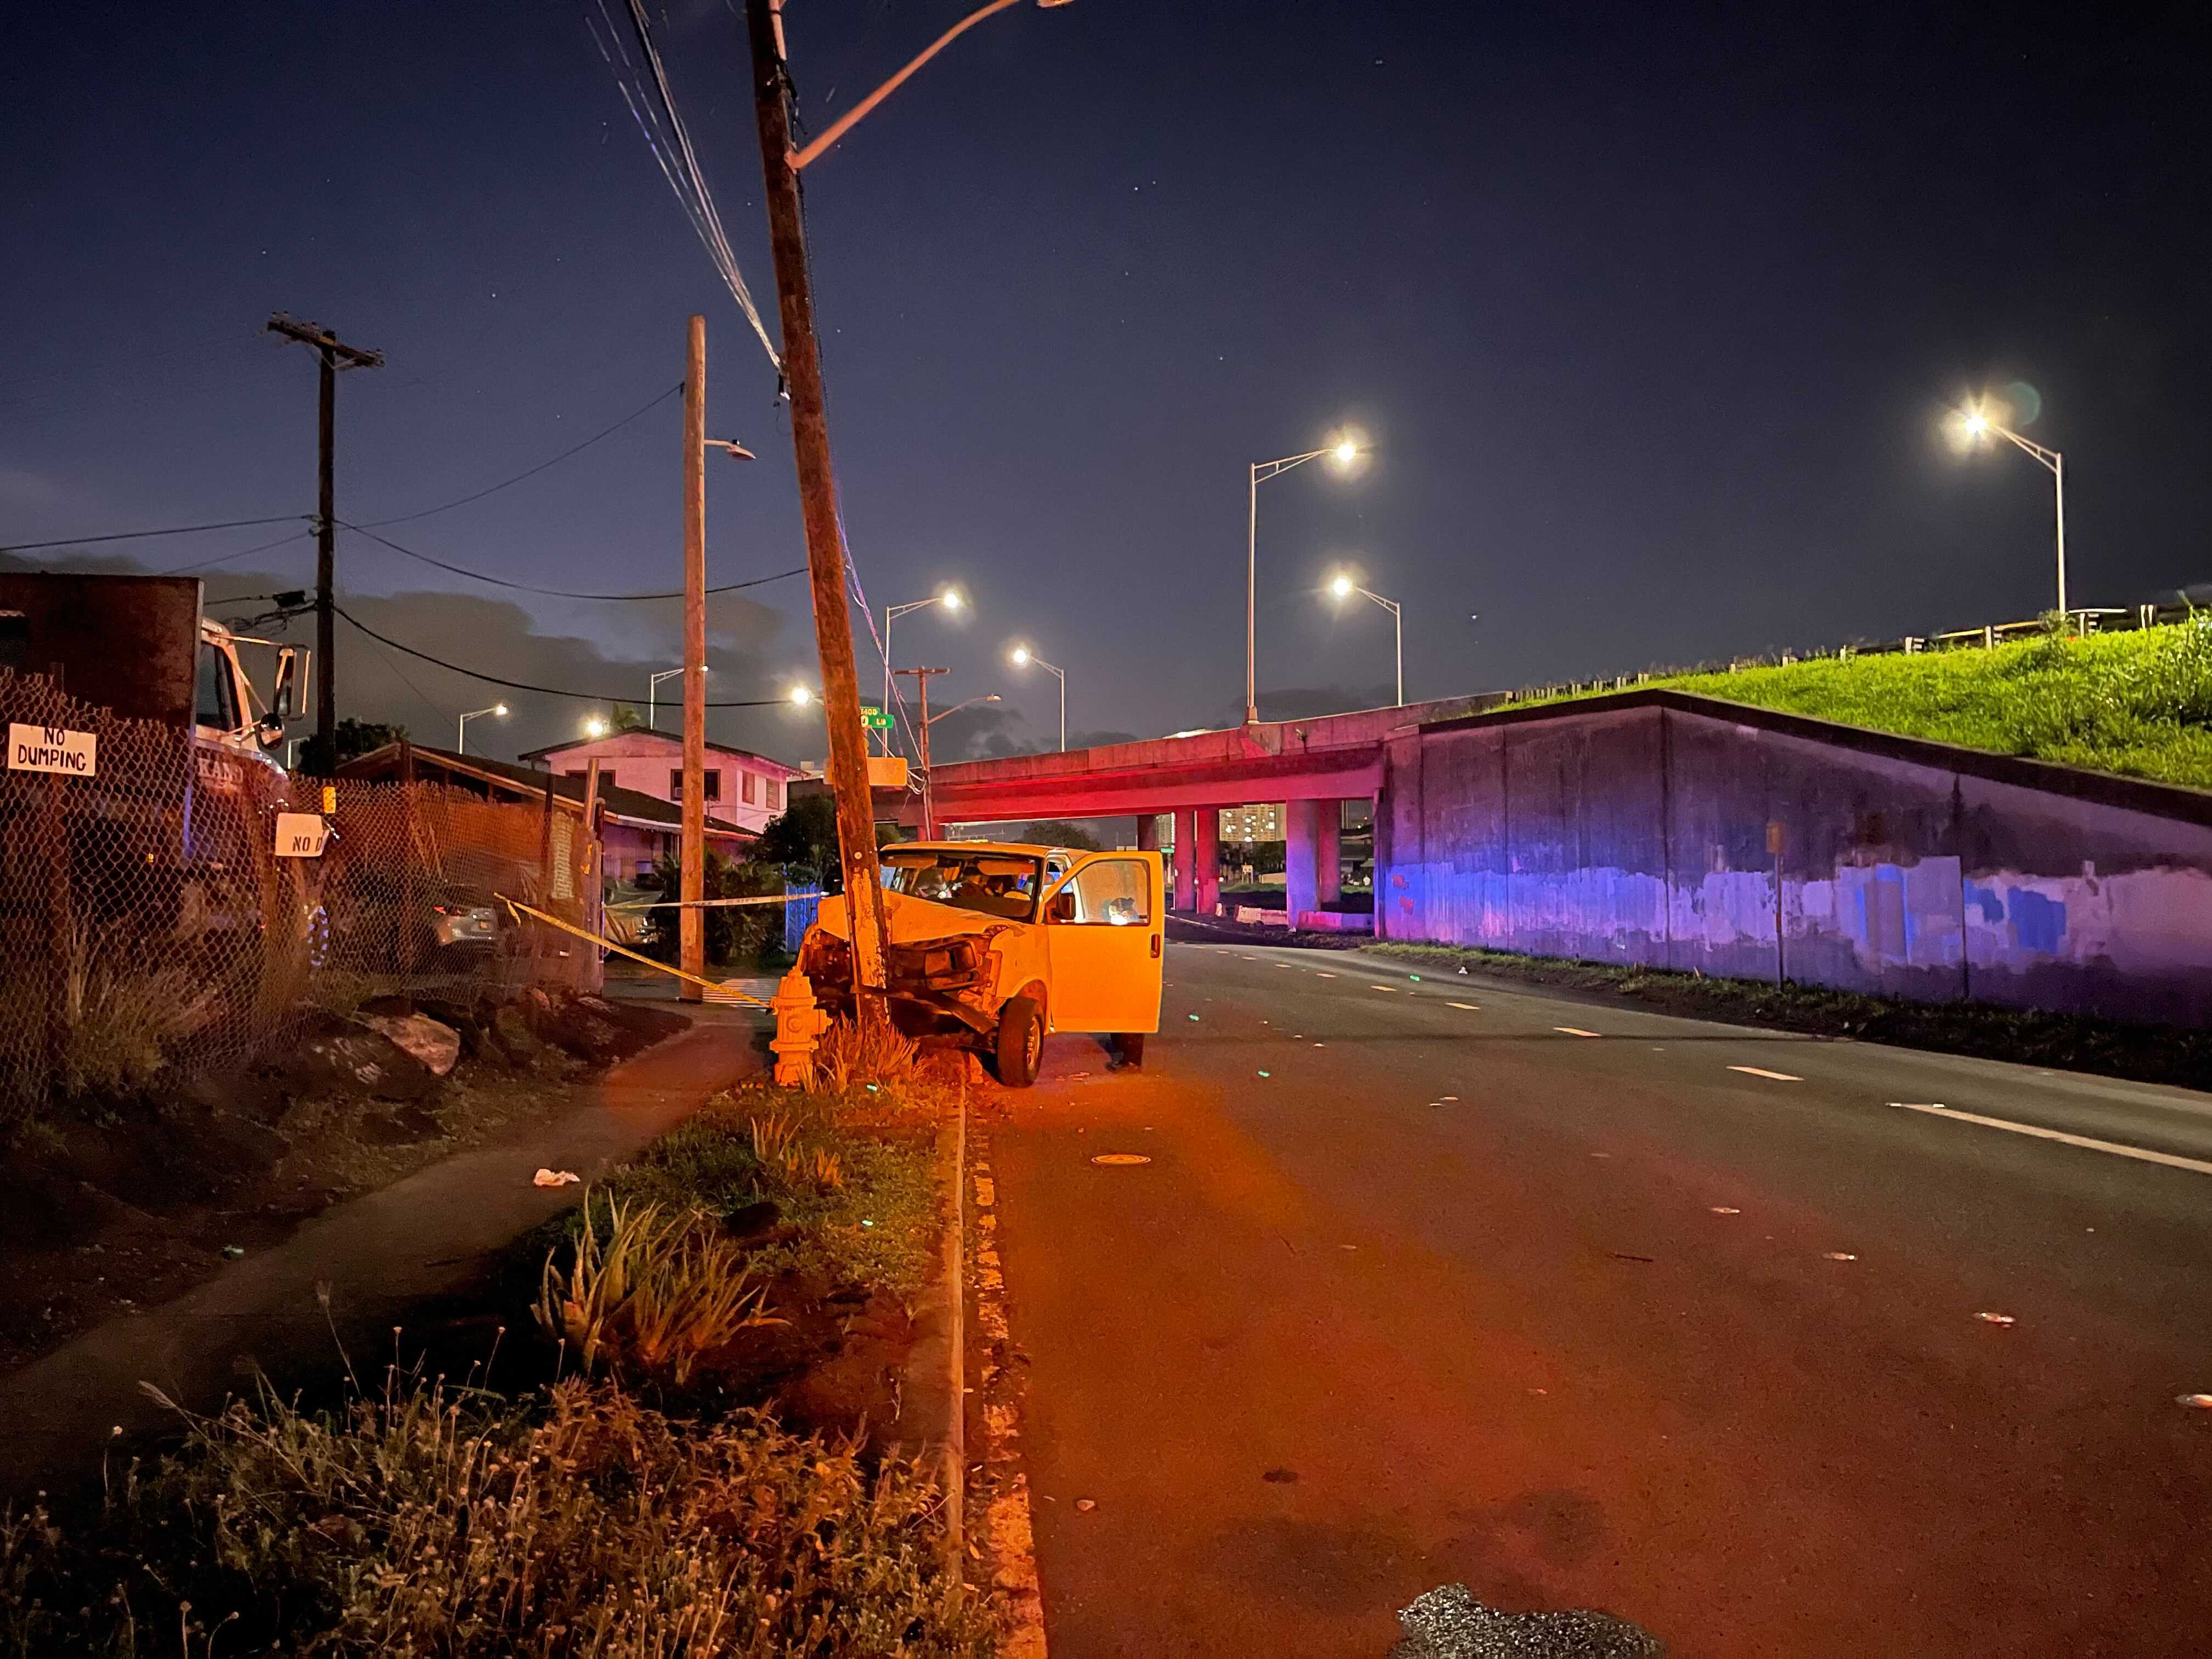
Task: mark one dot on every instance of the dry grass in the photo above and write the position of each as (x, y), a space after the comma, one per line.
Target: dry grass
(120, 1015)
(430, 1522)
(648, 1291)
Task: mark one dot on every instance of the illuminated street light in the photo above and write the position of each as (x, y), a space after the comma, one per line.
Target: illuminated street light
(1975, 424)
(1343, 452)
(461, 739)
(1341, 586)
(800, 696)
(1021, 656)
(595, 727)
(951, 598)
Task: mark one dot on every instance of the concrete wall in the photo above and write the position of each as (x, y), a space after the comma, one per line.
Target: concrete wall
(1684, 833)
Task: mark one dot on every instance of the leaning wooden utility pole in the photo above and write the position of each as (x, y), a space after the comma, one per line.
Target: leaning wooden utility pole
(692, 929)
(817, 495)
(330, 350)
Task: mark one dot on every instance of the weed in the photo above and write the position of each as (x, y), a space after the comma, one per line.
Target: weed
(774, 1136)
(850, 1054)
(655, 1293)
(119, 1017)
(428, 1520)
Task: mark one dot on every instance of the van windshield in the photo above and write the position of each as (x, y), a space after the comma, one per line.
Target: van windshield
(993, 883)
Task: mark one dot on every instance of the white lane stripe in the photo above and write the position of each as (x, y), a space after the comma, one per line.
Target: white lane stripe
(1755, 1071)
(1324, 975)
(1573, 1030)
(1471, 1007)
(1381, 988)
(2171, 1160)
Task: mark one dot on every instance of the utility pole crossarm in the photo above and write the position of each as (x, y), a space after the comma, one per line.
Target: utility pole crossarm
(313, 334)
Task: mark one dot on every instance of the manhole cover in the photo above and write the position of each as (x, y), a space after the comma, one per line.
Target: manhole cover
(1116, 1160)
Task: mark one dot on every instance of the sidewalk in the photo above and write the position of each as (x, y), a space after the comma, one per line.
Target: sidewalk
(378, 1253)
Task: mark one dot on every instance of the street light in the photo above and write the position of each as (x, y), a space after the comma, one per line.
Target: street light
(1022, 657)
(929, 719)
(594, 726)
(653, 688)
(1975, 424)
(800, 696)
(1342, 453)
(461, 739)
(1341, 586)
(951, 598)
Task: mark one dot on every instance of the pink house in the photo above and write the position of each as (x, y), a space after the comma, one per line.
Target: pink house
(743, 788)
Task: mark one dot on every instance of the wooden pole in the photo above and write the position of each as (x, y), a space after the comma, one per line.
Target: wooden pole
(588, 878)
(825, 544)
(691, 924)
(922, 740)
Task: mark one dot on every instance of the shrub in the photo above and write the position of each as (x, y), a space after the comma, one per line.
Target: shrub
(850, 1054)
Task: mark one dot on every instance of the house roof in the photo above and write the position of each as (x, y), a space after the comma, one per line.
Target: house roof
(585, 745)
(628, 805)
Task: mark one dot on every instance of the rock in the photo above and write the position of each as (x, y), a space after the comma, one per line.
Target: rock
(1448, 1623)
(437, 1046)
(334, 1055)
(749, 1221)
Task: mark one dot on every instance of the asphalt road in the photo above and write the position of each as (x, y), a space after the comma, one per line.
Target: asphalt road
(1434, 1281)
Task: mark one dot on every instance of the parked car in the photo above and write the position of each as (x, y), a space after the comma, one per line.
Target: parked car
(992, 945)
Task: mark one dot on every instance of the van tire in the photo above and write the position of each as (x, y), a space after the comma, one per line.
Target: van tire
(1020, 1043)
(1132, 1045)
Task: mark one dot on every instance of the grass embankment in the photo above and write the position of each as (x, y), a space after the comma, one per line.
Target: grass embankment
(2137, 703)
(2146, 1053)
(620, 1512)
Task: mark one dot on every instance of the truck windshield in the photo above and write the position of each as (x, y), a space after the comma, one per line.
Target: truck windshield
(217, 702)
(994, 884)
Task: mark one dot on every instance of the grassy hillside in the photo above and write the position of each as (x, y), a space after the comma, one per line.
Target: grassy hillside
(2138, 703)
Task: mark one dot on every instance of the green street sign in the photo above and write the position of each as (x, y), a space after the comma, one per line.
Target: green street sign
(874, 719)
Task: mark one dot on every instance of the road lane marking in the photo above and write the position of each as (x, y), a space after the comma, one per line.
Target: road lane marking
(1381, 988)
(2171, 1160)
(1120, 1160)
(1573, 1030)
(1324, 975)
(1473, 1008)
(1756, 1071)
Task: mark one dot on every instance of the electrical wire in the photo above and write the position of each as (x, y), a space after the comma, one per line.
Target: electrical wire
(521, 685)
(141, 535)
(225, 558)
(406, 518)
(662, 125)
(558, 592)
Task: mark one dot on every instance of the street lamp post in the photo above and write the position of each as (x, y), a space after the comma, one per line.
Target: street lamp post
(461, 737)
(1978, 426)
(929, 719)
(1022, 657)
(652, 693)
(1343, 452)
(1344, 587)
(951, 598)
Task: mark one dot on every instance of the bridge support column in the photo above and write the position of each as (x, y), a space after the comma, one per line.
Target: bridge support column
(1312, 855)
(1205, 847)
(1186, 861)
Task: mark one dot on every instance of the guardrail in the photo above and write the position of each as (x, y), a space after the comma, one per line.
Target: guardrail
(2086, 620)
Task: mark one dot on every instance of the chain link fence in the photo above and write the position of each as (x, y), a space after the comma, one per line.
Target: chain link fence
(149, 927)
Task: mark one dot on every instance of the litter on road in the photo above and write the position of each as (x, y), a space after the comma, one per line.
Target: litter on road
(2202, 1403)
(1841, 1255)
(554, 1178)
(1726, 1209)
(1996, 1319)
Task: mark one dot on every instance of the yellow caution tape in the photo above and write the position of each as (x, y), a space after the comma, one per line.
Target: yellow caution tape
(713, 985)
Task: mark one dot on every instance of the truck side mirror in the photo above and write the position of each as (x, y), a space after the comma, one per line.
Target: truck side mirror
(282, 699)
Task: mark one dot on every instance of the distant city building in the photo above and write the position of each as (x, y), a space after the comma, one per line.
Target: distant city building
(1252, 823)
(742, 787)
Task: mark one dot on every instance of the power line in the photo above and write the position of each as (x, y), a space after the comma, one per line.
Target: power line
(140, 535)
(560, 592)
(494, 489)
(225, 558)
(519, 686)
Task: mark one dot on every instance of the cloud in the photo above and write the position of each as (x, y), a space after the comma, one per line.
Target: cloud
(22, 488)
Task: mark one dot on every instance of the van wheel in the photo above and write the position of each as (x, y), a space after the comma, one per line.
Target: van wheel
(1020, 1043)
(1132, 1045)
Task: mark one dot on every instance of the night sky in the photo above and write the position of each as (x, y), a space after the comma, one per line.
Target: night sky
(1650, 318)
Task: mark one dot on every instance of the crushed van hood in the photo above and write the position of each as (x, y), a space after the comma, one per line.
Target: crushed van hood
(908, 919)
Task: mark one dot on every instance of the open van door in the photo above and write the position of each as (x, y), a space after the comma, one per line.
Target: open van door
(1104, 931)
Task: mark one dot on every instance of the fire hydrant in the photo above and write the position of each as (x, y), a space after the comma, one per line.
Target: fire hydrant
(798, 1025)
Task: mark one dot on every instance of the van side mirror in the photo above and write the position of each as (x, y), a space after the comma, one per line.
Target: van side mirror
(283, 699)
(1062, 907)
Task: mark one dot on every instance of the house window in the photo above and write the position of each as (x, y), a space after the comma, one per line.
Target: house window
(746, 782)
(713, 780)
(713, 783)
(768, 794)
(578, 772)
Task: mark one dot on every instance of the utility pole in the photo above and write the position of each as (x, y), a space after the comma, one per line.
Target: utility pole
(818, 494)
(921, 732)
(692, 929)
(332, 352)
